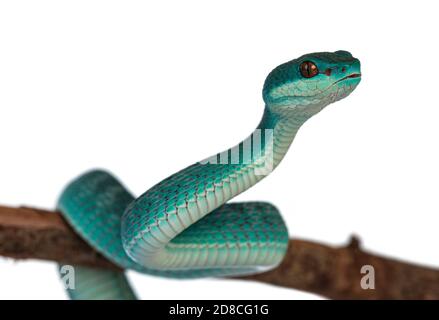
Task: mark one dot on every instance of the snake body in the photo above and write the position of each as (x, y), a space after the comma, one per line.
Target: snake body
(183, 226)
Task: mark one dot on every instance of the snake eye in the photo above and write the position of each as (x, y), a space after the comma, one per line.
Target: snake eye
(308, 69)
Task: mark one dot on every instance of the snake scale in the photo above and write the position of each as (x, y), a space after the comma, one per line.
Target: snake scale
(183, 226)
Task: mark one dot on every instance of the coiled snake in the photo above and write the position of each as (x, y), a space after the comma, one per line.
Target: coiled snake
(182, 227)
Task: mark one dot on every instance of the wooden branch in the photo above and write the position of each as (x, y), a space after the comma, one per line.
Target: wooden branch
(27, 233)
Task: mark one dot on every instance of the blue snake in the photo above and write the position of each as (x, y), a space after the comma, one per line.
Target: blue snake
(183, 226)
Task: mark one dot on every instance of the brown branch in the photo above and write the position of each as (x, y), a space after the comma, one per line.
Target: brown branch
(27, 233)
(328, 271)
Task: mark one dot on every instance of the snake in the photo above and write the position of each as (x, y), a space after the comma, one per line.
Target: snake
(184, 227)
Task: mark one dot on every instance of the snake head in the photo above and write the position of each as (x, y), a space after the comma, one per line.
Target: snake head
(311, 82)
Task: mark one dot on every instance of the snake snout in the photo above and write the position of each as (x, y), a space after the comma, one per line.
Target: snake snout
(350, 71)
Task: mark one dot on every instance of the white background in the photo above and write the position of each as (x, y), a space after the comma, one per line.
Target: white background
(145, 89)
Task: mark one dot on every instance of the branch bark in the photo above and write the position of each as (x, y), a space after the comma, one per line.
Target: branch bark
(333, 272)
